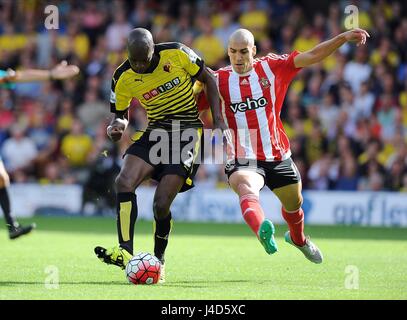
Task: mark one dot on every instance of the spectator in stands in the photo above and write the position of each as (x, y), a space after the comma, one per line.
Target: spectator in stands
(19, 151)
(208, 45)
(364, 102)
(347, 176)
(117, 31)
(359, 70)
(93, 111)
(76, 147)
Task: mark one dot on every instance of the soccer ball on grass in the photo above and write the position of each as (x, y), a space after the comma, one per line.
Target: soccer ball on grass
(143, 268)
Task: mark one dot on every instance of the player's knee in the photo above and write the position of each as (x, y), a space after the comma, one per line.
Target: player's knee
(294, 204)
(124, 183)
(161, 208)
(244, 189)
(4, 180)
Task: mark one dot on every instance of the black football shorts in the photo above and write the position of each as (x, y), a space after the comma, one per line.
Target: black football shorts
(170, 153)
(276, 174)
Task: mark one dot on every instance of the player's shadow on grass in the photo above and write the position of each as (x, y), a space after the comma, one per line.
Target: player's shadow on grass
(181, 284)
(205, 283)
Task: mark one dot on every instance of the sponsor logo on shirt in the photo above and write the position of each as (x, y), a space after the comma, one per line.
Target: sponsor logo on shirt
(248, 104)
(161, 89)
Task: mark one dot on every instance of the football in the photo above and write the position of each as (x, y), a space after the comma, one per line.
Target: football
(143, 268)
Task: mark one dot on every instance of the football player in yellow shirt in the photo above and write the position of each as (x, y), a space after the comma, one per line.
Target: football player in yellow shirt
(161, 77)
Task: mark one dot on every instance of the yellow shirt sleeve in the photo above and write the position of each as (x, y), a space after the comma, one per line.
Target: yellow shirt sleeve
(198, 87)
(120, 96)
(190, 61)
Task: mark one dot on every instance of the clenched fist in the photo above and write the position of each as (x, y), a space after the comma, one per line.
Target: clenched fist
(116, 128)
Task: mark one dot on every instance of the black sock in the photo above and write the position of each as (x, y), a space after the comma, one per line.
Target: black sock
(5, 206)
(126, 219)
(162, 231)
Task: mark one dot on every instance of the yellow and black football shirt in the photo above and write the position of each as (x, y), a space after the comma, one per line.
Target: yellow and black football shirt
(164, 90)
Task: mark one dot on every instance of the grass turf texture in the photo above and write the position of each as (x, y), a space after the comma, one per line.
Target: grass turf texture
(204, 261)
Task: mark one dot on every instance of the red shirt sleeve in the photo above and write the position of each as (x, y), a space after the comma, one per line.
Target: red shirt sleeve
(283, 65)
(202, 102)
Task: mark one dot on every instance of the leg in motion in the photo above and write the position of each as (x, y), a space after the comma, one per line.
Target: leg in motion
(14, 228)
(132, 174)
(291, 199)
(247, 185)
(165, 194)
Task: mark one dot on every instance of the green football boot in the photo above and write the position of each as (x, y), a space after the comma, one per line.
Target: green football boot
(266, 236)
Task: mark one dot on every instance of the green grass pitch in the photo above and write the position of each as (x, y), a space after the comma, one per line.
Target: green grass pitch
(203, 261)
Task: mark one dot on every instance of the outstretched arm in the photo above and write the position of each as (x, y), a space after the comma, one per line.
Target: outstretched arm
(59, 72)
(326, 48)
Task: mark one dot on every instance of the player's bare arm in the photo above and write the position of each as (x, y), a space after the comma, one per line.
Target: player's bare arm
(59, 72)
(212, 95)
(326, 48)
(117, 126)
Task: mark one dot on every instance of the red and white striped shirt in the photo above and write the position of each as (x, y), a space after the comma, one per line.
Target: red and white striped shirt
(251, 106)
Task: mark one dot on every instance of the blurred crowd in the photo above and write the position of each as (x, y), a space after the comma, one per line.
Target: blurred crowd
(346, 117)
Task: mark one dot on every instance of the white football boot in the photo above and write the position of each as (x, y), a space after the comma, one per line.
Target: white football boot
(309, 249)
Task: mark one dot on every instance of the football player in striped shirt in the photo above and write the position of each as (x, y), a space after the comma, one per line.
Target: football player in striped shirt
(252, 93)
(161, 77)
